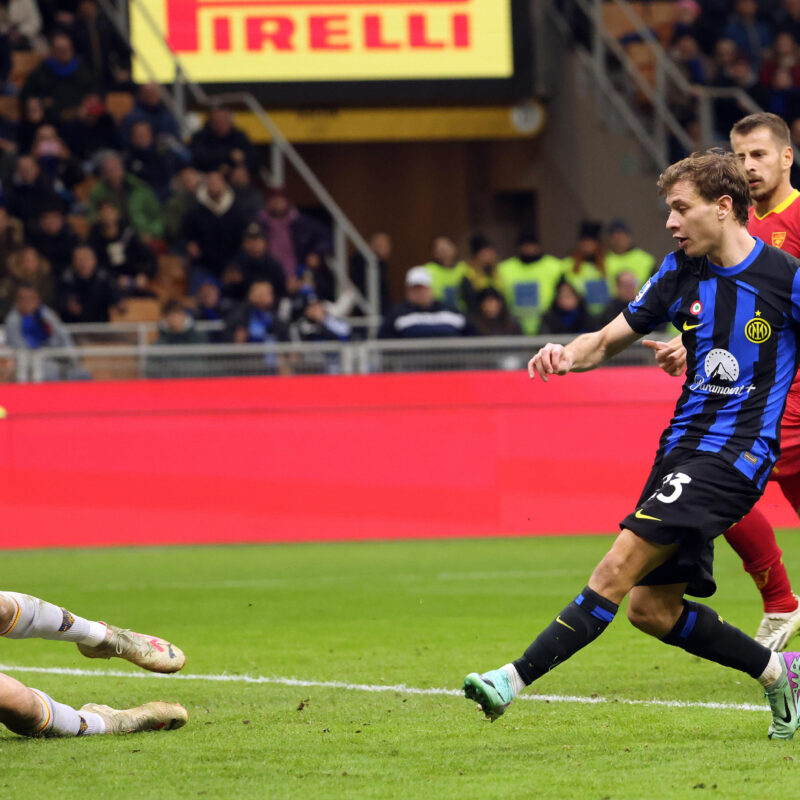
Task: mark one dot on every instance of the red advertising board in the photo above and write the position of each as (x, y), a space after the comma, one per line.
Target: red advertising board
(329, 458)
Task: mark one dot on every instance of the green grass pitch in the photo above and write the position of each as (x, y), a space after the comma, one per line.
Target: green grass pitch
(421, 614)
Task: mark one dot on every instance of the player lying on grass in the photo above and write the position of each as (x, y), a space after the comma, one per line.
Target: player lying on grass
(763, 145)
(715, 456)
(31, 712)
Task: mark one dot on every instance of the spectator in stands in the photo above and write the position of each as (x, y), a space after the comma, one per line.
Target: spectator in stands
(568, 314)
(213, 227)
(56, 162)
(626, 286)
(31, 324)
(784, 99)
(148, 162)
(785, 53)
(92, 131)
(253, 263)
(623, 256)
(315, 274)
(62, 80)
(446, 270)
(380, 244)
(11, 237)
(151, 108)
(121, 253)
(133, 197)
(8, 132)
(726, 53)
(421, 316)
(728, 110)
(26, 268)
(102, 49)
(177, 326)
(689, 18)
(211, 306)
(219, 145)
(5, 64)
(249, 198)
(751, 35)
(529, 281)
(686, 56)
(54, 238)
(493, 317)
(21, 24)
(480, 271)
(256, 320)
(86, 293)
(29, 192)
(585, 269)
(786, 17)
(34, 114)
(182, 198)
(291, 234)
(317, 324)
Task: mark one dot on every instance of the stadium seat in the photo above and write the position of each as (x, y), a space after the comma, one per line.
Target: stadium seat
(170, 281)
(22, 64)
(9, 108)
(119, 104)
(659, 16)
(137, 309)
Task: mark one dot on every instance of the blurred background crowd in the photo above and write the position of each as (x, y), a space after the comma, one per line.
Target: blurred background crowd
(108, 212)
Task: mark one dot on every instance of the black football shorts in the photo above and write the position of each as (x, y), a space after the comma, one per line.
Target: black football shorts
(690, 498)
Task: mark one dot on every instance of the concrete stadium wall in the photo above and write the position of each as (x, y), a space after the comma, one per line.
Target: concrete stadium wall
(326, 458)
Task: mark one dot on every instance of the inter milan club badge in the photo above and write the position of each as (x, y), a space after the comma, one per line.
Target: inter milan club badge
(695, 308)
(778, 238)
(758, 330)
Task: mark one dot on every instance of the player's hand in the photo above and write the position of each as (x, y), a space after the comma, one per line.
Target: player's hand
(552, 359)
(670, 356)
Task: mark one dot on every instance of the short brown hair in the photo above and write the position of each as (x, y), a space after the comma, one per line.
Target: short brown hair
(714, 174)
(772, 122)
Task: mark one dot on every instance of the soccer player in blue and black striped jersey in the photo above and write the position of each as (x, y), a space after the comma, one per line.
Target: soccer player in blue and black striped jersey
(737, 304)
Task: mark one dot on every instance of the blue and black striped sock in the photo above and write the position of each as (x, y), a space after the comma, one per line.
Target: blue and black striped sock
(702, 632)
(580, 623)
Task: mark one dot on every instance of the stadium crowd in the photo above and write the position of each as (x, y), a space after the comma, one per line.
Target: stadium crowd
(93, 205)
(753, 45)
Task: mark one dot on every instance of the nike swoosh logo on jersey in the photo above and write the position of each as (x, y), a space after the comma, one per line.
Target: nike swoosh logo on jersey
(641, 515)
(688, 327)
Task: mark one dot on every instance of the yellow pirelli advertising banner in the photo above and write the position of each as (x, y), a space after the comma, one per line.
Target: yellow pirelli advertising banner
(236, 41)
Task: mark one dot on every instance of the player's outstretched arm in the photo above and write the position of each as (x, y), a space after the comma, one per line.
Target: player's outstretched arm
(670, 356)
(584, 353)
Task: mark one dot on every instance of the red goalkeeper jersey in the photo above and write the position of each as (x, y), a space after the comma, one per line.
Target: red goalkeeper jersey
(780, 227)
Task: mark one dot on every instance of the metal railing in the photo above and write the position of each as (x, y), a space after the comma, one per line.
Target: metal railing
(130, 362)
(281, 151)
(652, 133)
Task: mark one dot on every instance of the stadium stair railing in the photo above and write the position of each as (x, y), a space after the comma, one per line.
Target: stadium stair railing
(644, 79)
(281, 152)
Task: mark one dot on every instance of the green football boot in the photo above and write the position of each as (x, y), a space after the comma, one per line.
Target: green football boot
(491, 691)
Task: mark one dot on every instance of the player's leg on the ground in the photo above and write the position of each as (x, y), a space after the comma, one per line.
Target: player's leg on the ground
(753, 540)
(23, 616)
(663, 612)
(31, 712)
(579, 624)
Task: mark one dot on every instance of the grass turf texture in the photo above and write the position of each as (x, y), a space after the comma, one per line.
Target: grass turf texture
(419, 613)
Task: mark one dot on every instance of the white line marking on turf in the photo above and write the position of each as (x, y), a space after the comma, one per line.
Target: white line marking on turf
(400, 688)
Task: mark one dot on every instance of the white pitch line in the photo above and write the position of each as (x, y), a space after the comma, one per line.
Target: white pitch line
(399, 688)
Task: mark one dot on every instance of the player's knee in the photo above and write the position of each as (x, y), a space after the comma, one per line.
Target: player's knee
(8, 610)
(646, 617)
